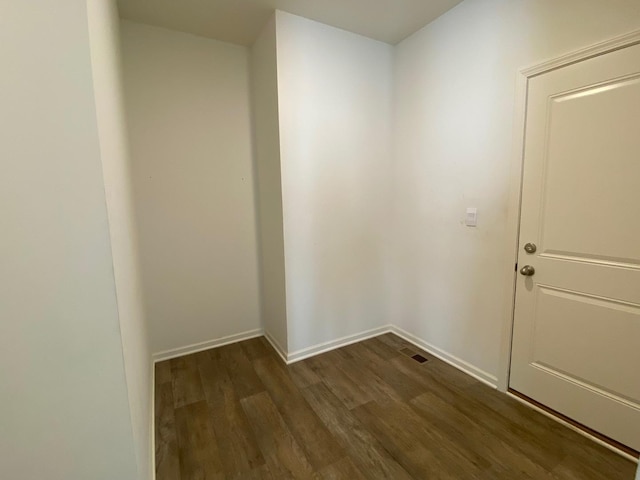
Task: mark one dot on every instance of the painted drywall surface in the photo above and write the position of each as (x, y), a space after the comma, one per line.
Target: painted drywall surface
(266, 135)
(107, 83)
(334, 96)
(454, 114)
(188, 115)
(65, 410)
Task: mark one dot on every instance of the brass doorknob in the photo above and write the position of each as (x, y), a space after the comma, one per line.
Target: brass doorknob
(527, 270)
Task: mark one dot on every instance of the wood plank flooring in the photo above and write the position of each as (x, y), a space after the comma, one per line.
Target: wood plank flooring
(365, 411)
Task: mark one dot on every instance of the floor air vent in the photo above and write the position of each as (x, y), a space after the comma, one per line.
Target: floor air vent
(416, 356)
(419, 358)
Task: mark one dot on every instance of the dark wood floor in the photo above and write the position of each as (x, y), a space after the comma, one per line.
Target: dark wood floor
(366, 411)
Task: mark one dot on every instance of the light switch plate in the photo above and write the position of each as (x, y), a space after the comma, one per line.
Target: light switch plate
(471, 219)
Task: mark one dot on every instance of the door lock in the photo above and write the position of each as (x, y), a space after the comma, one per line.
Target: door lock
(530, 248)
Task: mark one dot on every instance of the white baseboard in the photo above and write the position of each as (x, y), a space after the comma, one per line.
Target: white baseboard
(276, 346)
(334, 344)
(452, 360)
(199, 347)
(324, 347)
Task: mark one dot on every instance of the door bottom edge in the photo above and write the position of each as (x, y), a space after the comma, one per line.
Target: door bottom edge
(607, 442)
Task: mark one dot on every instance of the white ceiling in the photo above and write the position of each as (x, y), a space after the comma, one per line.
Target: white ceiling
(240, 21)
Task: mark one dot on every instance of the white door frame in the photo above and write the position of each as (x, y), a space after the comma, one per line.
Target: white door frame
(515, 189)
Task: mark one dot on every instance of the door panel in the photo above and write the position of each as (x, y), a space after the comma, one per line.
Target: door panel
(561, 314)
(576, 340)
(592, 184)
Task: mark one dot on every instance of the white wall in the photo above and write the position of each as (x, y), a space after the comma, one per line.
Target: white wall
(454, 97)
(335, 109)
(188, 114)
(107, 82)
(65, 409)
(266, 134)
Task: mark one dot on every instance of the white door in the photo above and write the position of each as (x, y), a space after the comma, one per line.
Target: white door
(576, 340)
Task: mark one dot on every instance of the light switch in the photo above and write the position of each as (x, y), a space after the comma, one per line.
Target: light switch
(471, 219)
